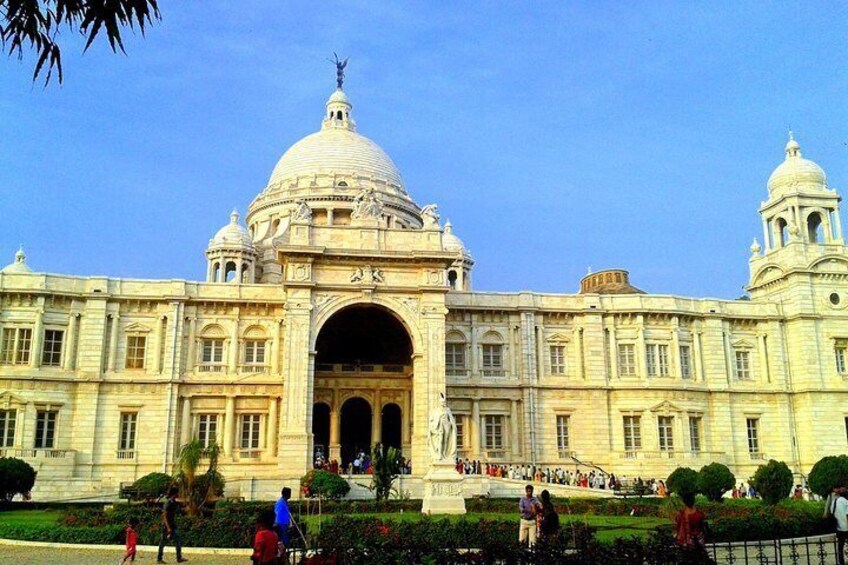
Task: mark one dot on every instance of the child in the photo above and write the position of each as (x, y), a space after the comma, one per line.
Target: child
(265, 542)
(132, 541)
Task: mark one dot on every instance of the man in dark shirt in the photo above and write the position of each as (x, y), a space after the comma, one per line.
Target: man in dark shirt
(169, 526)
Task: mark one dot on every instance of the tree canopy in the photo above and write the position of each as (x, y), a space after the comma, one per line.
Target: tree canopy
(36, 24)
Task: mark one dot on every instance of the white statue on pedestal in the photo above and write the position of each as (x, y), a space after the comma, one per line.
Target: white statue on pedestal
(443, 432)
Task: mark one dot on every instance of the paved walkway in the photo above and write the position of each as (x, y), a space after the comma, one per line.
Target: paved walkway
(59, 556)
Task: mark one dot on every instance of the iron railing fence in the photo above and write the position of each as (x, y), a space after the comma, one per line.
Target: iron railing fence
(817, 550)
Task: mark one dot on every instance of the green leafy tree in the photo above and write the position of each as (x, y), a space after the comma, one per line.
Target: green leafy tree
(386, 470)
(829, 472)
(323, 484)
(683, 481)
(153, 485)
(198, 489)
(714, 480)
(36, 24)
(773, 481)
(16, 477)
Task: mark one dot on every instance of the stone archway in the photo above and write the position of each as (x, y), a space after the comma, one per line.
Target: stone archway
(391, 425)
(356, 434)
(321, 428)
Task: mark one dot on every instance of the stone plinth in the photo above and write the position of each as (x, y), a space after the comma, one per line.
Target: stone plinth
(443, 490)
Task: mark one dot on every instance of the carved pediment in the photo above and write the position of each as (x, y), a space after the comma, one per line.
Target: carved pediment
(666, 407)
(8, 400)
(135, 327)
(559, 337)
(742, 344)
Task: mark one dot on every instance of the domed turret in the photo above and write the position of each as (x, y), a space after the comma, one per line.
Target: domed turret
(19, 265)
(231, 254)
(796, 173)
(459, 273)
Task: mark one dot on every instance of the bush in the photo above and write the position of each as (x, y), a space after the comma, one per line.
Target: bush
(152, 485)
(324, 484)
(16, 477)
(773, 481)
(829, 472)
(714, 480)
(683, 482)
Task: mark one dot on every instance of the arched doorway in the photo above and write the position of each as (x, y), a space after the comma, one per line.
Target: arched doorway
(355, 429)
(391, 425)
(321, 429)
(364, 351)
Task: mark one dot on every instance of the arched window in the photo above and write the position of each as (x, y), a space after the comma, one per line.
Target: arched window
(493, 358)
(815, 229)
(783, 231)
(216, 270)
(255, 348)
(455, 362)
(339, 115)
(230, 271)
(212, 349)
(452, 279)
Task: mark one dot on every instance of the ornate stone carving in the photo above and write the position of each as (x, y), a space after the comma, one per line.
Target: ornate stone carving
(367, 275)
(429, 214)
(302, 212)
(367, 205)
(443, 432)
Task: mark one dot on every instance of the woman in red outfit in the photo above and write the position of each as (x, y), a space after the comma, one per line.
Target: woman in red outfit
(265, 542)
(689, 523)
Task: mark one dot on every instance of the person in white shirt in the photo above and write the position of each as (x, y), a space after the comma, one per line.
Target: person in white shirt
(840, 512)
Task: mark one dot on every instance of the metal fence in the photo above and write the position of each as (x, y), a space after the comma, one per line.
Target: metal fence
(818, 550)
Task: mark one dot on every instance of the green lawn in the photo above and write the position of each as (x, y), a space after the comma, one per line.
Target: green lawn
(30, 517)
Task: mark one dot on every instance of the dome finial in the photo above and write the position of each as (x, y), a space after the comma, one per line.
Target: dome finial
(793, 149)
(340, 68)
(20, 256)
(234, 216)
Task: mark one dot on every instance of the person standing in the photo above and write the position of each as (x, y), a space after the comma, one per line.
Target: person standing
(131, 540)
(549, 525)
(282, 516)
(840, 513)
(528, 509)
(169, 526)
(689, 523)
(265, 542)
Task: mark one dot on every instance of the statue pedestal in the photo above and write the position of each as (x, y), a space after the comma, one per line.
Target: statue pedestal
(443, 490)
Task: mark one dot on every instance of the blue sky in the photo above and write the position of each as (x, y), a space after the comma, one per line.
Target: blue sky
(555, 136)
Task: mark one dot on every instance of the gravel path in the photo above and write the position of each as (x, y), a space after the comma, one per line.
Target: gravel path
(21, 555)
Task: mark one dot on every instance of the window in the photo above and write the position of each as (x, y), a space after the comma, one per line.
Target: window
(136, 346)
(494, 432)
(254, 352)
(841, 352)
(129, 421)
(207, 429)
(7, 427)
(455, 358)
(656, 356)
(17, 343)
(460, 432)
(492, 360)
(45, 429)
(212, 354)
(695, 433)
(250, 431)
(846, 427)
(665, 432)
(557, 359)
(626, 359)
(753, 425)
(632, 433)
(51, 355)
(743, 365)
(685, 362)
(563, 441)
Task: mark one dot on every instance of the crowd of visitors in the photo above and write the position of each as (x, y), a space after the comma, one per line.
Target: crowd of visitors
(359, 465)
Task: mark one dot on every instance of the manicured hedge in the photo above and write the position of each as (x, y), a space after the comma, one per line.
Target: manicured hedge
(105, 535)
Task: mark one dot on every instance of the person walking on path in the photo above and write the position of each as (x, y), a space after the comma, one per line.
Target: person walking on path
(840, 513)
(169, 526)
(282, 516)
(689, 523)
(528, 509)
(131, 540)
(265, 541)
(549, 524)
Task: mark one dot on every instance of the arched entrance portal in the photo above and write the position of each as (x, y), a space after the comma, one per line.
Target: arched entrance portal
(321, 428)
(364, 355)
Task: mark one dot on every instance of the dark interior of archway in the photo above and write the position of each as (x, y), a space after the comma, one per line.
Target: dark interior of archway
(355, 429)
(391, 422)
(364, 335)
(321, 428)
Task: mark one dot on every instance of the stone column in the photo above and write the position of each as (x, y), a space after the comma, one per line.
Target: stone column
(838, 222)
(273, 427)
(475, 428)
(191, 353)
(239, 266)
(70, 343)
(613, 349)
(185, 424)
(406, 421)
(676, 369)
(233, 355)
(37, 336)
(764, 366)
(229, 426)
(113, 342)
(641, 351)
(514, 442)
(335, 433)
(377, 419)
(275, 347)
(696, 357)
(295, 455)
(474, 348)
(578, 351)
(157, 346)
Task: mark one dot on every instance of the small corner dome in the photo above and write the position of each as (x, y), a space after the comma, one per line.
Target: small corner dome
(451, 242)
(796, 172)
(338, 97)
(19, 265)
(232, 235)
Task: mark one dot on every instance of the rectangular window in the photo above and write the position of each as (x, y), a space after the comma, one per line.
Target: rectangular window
(695, 433)
(846, 428)
(626, 359)
(753, 425)
(632, 433)
(51, 355)
(45, 429)
(656, 357)
(492, 360)
(249, 431)
(16, 346)
(207, 429)
(213, 351)
(743, 365)
(841, 352)
(129, 421)
(254, 352)
(685, 362)
(460, 432)
(557, 359)
(665, 432)
(493, 432)
(455, 358)
(563, 439)
(136, 348)
(7, 427)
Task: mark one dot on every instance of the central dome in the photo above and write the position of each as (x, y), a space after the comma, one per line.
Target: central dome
(796, 173)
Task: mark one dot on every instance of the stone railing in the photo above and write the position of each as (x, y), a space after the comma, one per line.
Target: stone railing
(37, 453)
(352, 368)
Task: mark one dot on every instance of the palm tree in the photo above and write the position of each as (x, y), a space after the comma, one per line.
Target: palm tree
(386, 470)
(197, 490)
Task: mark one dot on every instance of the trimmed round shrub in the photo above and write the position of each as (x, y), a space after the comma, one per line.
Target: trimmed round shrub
(829, 472)
(714, 480)
(773, 481)
(153, 485)
(683, 481)
(16, 477)
(324, 484)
